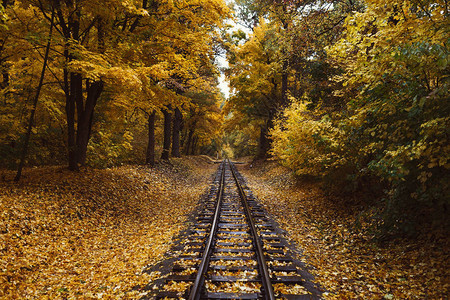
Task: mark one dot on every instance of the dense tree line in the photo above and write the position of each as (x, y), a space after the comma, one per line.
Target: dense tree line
(86, 82)
(353, 92)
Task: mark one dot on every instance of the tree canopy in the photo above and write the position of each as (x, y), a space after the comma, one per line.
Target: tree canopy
(353, 92)
(110, 65)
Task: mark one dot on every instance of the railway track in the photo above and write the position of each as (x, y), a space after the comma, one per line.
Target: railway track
(233, 251)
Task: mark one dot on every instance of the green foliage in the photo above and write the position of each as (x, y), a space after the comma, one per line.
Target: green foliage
(240, 144)
(105, 149)
(394, 127)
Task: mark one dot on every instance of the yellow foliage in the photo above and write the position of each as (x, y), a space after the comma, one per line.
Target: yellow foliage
(306, 142)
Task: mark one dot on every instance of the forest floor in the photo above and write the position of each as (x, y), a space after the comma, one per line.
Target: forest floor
(339, 248)
(86, 235)
(91, 234)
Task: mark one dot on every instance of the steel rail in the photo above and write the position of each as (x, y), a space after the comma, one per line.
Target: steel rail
(195, 292)
(265, 277)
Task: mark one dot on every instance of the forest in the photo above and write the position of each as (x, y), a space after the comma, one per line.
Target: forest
(355, 93)
(349, 97)
(84, 82)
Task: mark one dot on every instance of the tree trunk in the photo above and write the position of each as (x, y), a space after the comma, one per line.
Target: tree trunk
(36, 98)
(264, 141)
(79, 111)
(167, 133)
(78, 139)
(194, 145)
(183, 140)
(70, 114)
(150, 156)
(85, 117)
(5, 75)
(73, 83)
(178, 118)
(284, 83)
(189, 141)
(263, 145)
(285, 66)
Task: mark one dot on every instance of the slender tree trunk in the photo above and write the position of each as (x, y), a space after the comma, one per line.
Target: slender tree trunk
(194, 145)
(73, 103)
(178, 118)
(264, 141)
(284, 83)
(73, 83)
(263, 145)
(167, 133)
(70, 115)
(189, 141)
(285, 66)
(150, 156)
(183, 139)
(36, 98)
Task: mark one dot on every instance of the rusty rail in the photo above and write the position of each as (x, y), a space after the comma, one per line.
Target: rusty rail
(265, 277)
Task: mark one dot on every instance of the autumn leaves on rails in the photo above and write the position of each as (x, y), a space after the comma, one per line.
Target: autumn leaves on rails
(90, 78)
(233, 250)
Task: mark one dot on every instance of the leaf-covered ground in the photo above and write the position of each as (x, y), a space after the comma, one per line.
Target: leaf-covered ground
(344, 259)
(90, 234)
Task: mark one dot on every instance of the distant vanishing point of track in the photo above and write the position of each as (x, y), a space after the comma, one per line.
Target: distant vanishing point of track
(233, 251)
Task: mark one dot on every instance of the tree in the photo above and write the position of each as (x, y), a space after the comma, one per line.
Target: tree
(388, 129)
(182, 43)
(177, 124)
(35, 101)
(398, 50)
(86, 63)
(150, 156)
(254, 74)
(295, 34)
(167, 132)
(106, 60)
